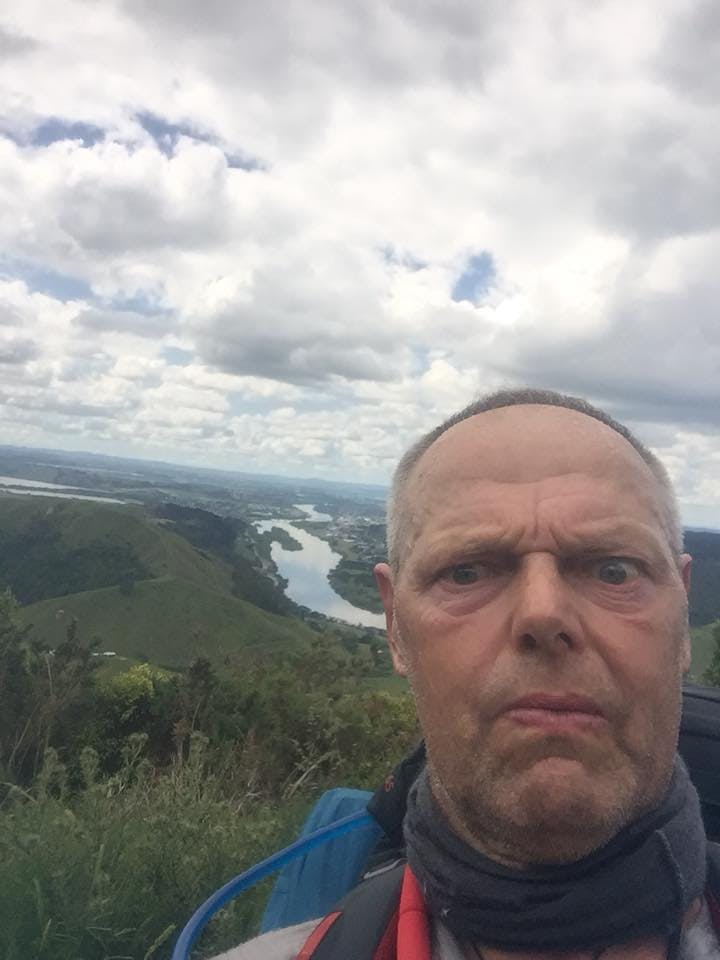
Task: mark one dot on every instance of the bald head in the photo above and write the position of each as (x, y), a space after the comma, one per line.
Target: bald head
(516, 437)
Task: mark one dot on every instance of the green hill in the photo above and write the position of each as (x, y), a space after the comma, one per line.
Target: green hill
(129, 579)
(51, 547)
(702, 650)
(704, 547)
(168, 621)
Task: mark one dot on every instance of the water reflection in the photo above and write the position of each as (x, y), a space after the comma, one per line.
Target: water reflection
(39, 488)
(58, 496)
(38, 484)
(306, 572)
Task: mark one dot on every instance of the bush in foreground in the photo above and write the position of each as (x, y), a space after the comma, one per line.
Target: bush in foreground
(116, 870)
(125, 800)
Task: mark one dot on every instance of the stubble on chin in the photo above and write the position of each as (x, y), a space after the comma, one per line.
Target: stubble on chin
(551, 813)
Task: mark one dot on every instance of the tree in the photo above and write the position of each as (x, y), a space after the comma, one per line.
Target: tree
(19, 666)
(712, 674)
(38, 689)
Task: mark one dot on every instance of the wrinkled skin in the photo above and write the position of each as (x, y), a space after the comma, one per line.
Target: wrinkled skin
(536, 561)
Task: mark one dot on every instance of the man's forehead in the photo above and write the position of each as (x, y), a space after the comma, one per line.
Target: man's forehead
(501, 453)
(596, 531)
(524, 443)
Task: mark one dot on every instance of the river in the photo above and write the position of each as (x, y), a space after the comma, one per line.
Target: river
(306, 572)
(39, 488)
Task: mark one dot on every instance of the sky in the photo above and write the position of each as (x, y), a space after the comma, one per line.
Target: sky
(290, 237)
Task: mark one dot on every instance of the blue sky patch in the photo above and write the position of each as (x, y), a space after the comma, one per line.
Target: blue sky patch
(166, 135)
(177, 357)
(402, 258)
(43, 280)
(54, 129)
(476, 279)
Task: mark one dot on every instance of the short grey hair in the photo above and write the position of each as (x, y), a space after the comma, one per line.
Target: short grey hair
(396, 511)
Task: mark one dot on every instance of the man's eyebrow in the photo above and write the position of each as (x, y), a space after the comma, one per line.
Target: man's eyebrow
(594, 539)
(628, 535)
(445, 547)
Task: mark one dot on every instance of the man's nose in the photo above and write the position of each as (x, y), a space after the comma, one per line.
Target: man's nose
(543, 614)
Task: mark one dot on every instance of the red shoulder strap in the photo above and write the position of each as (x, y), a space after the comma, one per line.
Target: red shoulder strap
(316, 936)
(401, 923)
(413, 936)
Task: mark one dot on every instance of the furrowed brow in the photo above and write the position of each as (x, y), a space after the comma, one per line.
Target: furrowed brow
(626, 539)
(446, 550)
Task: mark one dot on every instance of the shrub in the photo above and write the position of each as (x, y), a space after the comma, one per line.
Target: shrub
(116, 870)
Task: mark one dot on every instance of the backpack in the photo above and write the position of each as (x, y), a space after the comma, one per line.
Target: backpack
(311, 885)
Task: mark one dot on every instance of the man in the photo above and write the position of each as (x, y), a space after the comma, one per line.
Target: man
(536, 599)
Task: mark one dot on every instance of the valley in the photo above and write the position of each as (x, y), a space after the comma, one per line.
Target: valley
(163, 563)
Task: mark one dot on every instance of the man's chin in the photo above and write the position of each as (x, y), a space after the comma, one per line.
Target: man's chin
(563, 811)
(556, 811)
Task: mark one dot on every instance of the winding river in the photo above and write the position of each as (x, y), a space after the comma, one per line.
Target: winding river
(306, 572)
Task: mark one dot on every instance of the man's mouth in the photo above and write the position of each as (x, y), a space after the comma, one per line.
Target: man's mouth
(556, 712)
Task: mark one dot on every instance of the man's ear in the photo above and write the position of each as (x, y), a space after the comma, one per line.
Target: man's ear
(686, 574)
(686, 571)
(384, 580)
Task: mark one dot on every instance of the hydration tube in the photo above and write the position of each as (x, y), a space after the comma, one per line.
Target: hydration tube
(192, 929)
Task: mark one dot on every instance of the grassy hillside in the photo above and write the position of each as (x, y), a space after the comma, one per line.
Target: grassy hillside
(167, 621)
(62, 531)
(702, 650)
(704, 547)
(133, 582)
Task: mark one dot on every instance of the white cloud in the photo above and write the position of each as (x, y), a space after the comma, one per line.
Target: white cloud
(390, 143)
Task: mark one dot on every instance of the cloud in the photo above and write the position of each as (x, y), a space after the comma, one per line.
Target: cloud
(661, 307)
(14, 44)
(15, 350)
(296, 324)
(690, 56)
(124, 321)
(294, 238)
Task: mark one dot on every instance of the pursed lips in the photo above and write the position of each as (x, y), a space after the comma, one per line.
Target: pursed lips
(556, 712)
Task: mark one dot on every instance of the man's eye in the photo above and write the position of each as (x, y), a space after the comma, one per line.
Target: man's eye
(616, 571)
(465, 573)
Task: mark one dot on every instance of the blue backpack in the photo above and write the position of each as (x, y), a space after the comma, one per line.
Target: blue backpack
(309, 886)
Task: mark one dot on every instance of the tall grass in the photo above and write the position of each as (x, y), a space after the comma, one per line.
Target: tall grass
(113, 872)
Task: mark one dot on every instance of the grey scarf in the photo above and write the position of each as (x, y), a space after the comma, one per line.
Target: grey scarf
(639, 885)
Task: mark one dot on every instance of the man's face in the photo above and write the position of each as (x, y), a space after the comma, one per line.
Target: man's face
(541, 618)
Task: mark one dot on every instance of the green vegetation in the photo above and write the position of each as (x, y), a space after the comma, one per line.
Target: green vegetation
(354, 581)
(166, 621)
(703, 645)
(117, 869)
(239, 549)
(286, 541)
(704, 547)
(127, 799)
(165, 588)
(40, 562)
(706, 649)
(71, 526)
